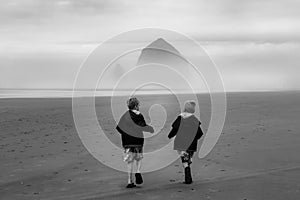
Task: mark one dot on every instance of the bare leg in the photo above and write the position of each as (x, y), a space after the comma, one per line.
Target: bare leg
(138, 166)
(138, 176)
(130, 172)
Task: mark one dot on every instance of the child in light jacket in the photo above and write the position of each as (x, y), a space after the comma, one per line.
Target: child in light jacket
(187, 130)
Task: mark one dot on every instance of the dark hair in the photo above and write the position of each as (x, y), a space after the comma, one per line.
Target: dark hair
(132, 103)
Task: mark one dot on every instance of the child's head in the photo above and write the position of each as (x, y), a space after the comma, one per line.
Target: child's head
(133, 103)
(189, 106)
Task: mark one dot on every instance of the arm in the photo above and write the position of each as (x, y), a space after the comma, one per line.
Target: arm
(199, 132)
(142, 123)
(175, 127)
(148, 129)
(120, 126)
(120, 130)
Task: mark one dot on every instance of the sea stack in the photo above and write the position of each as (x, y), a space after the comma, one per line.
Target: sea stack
(161, 52)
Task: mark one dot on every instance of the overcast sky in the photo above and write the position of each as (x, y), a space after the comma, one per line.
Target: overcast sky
(254, 43)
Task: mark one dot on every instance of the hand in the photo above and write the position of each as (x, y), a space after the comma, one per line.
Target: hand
(151, 129)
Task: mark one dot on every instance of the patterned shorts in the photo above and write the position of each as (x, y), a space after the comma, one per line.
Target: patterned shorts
(186, 156)
(133, 153)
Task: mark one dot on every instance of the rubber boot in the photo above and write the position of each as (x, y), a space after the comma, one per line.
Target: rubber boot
(188, 175)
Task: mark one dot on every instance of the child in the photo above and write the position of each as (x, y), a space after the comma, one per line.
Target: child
(131, 127)
(187, 130)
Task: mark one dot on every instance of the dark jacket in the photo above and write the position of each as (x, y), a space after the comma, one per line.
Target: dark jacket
(187, 130)
(131, 127)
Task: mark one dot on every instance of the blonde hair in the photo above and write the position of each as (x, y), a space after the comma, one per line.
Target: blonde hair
(189, 106)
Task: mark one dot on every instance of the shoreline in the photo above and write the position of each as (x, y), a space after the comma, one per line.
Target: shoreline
(70, 96)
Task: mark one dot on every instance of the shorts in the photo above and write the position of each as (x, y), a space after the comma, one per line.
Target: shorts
(186, 156)
(133, 153)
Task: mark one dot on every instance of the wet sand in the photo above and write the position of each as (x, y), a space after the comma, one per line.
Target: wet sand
(257, 156)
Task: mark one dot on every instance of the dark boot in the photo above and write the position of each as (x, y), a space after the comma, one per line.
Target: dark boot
(138, 178)
(131, 185)
(188, 175)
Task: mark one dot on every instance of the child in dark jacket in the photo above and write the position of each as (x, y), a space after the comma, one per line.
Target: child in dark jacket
(187, 130)
(131, 127)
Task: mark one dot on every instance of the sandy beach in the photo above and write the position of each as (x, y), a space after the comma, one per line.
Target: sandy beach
(256, 157)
